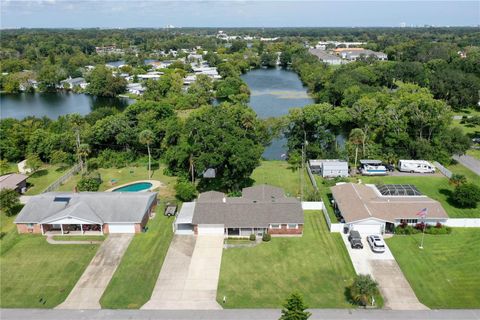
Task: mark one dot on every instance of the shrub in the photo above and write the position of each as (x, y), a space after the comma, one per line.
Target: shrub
(108, 158)
(90, 182)
(363, 289)
(457, 179)
(253, 237)
(466, 195)
(294, 308)
(185, 191)
(266, 237)
(405, 229)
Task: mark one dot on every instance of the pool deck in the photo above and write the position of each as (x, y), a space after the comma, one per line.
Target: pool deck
(155, 185)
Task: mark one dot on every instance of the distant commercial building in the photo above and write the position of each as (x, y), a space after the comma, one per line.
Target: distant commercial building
(324, 56)
(353, 54)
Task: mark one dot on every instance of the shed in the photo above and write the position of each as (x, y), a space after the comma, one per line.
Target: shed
(329, 168)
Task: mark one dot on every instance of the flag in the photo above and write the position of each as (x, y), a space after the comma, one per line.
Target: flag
(422, 213)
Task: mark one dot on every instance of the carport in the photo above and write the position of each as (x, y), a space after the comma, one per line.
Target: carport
(183, 221)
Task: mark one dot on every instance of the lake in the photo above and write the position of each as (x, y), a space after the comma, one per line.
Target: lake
(273, 93)
(53, 105)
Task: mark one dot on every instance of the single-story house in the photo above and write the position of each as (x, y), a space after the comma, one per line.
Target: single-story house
(378, 208)
(86, 212)
(15, 181)
(329, 168)
(70, 83)
(261, 209)
(326, 57)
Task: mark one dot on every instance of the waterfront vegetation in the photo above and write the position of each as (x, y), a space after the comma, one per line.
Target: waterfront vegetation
(282, 265)
(444, 274)
(132, 284)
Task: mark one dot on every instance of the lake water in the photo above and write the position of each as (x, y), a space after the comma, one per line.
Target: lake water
(53, 105)
(273, 93)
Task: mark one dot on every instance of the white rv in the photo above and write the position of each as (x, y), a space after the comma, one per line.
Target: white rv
(417, 166)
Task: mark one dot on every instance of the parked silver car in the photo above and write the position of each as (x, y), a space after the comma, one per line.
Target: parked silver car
(376, 243)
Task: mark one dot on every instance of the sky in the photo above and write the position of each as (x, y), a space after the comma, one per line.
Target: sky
(258, 13)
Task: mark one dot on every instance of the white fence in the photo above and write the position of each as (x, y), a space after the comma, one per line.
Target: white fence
(447, 173)
(333, 227)
(463, 223)
(312, 205)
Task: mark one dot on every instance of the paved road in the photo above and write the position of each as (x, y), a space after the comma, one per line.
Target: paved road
(238, 314)
(189, 275)
(395, 289)
(89, 288)
(469, 162)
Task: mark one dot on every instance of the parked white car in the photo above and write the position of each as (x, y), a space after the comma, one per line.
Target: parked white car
(376, 243)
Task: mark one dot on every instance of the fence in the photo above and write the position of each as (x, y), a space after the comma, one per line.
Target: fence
(447, 173)
(312, 178)
(463, 223)
(54, 186)
(333, 227)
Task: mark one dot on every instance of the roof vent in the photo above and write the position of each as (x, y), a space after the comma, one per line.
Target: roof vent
(224, 200)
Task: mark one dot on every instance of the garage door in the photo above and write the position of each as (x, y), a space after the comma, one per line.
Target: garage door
(368, 228)
(183, 228)
(214, 229)
(121, 228)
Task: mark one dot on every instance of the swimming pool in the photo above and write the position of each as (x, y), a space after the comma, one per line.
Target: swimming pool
(134, 187)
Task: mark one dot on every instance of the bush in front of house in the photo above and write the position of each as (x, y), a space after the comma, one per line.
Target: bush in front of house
(266, 237)
(405, 229)
(253, 237)
(89, 182)
(438, 229)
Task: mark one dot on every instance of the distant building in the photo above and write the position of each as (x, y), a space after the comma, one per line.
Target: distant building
(326, 57)
(70, 83)
(14, 181)
(353, 54)
(135, 88)
(329, 168)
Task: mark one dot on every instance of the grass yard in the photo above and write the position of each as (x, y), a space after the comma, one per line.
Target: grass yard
(40, 180)
(474, 153)
(317, 265)
(445, 273)
(36, 274)
(126, 175)
(132, 284)
(279, 174)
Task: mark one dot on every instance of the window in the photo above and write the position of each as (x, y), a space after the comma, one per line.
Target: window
(292, 226)
(275, 226)
(30, 225)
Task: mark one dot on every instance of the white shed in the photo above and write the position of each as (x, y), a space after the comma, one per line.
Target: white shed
(332, 168)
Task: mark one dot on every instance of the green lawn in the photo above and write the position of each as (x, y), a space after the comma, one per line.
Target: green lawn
(445, 273)
(474, 153)
(36, 274)
(126, 175)
(279, 174)
(40, 180)
(317, 265)
(133, 282)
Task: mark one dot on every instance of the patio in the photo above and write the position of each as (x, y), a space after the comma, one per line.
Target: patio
(72, 229)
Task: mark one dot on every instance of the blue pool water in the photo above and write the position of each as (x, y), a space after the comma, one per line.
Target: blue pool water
(135, 187)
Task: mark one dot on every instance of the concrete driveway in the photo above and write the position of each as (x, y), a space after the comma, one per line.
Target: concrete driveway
(189, 276)
(395, 289)
(89, 288)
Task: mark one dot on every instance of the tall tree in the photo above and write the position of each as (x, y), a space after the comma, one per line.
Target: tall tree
(83, 152)
(146, 137)
(294, 308)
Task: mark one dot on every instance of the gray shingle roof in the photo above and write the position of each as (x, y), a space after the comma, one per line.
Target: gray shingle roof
(11, 181)
(106, 207)
(258, 207)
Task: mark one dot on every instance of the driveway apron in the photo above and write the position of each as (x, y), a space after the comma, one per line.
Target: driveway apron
(89, 289)
(189, 275)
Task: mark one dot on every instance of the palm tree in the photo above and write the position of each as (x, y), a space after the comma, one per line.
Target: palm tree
(83, 152)
(363, 288)
(147, 137)
(356, 138)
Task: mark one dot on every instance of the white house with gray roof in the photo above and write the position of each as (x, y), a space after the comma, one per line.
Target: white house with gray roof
(261, 209)
(86, 213)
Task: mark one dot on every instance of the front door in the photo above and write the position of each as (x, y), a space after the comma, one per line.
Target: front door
(389, 227)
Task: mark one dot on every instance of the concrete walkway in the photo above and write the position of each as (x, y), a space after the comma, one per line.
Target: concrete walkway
(53, 241)
(395, 289)
(189, 276)
(89, 288)
(469, 162)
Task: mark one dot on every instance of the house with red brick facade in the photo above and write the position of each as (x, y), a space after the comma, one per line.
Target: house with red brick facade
(261, 209)
(86, 213)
